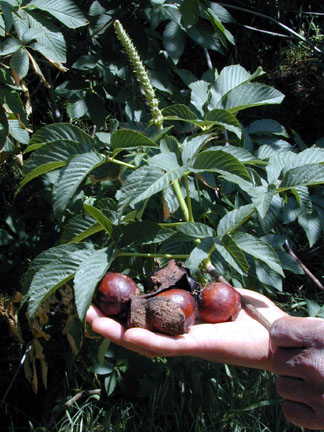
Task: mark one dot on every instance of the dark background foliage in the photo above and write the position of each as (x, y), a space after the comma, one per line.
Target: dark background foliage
(98, 87)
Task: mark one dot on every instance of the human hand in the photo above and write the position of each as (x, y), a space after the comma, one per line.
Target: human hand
(243, 342)
(298, 359)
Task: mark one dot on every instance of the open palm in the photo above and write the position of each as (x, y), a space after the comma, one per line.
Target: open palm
(243, 342)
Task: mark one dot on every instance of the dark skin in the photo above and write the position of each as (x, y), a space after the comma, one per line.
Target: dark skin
(297, 346)
(293, 349)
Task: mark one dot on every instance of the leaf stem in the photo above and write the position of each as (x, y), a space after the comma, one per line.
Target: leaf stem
(119, 162)
(181, 200)
(304, 268)
(170, 224)
(153, 255)
(191, 218)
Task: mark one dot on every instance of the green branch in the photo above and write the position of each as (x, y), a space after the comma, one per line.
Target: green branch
(181, 200)
(191, 218)
(118, 162)
(153, 255)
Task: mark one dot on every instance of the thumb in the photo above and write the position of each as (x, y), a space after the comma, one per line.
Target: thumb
(296, 332)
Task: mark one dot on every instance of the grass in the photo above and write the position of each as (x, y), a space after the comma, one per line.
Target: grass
(188, 395)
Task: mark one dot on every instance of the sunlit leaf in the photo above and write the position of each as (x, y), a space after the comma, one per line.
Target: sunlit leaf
(229, 78)
(221, 162)
(196, 230)
(259, 249)
(65, 11)
(307, 175)
(72, 176)
(127, 138)
(88, 275)
(251, 95)
(53, 275)
(234, 219)
(232, 254)
(199, 94)
(164, 161)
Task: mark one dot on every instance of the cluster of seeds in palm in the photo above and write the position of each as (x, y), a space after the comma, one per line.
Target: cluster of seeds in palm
(172, 300)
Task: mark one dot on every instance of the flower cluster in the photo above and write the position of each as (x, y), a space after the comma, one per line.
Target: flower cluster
(140, 72)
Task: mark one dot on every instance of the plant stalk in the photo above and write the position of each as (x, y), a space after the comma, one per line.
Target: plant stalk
(118, 162)
(181, 200)
(302, 265)
(190, 214)
(153, 255)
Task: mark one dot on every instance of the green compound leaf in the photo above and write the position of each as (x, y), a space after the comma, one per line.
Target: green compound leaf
(127, 138)
(62, 132)
(221, 162)
(64, 11)
(250, 95)
(195, 230)
(80, 227)
(52, 276)
(72, 176)
(103, 220)
(45, 258)
(259, 249)
(144, 183)
(144, 232)
(225, 119)
(178, 112)
(308, 175)
(232, 254)
(88, 275)
(234, 219)
(19, 63)
(174, 40)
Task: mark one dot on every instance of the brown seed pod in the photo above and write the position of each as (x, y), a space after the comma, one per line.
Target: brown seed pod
(172, 275)
(185, 301)
(166, 316)
(170, 312)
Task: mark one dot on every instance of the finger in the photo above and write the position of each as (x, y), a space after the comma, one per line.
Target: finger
(301, 415)
(92, 313)
(296, 332)
(160, 344)
(294, 389)
(292, 362)
(114, 331)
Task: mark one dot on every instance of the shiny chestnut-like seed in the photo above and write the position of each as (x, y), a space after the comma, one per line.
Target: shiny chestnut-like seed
(115, 292)
(219, 302)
